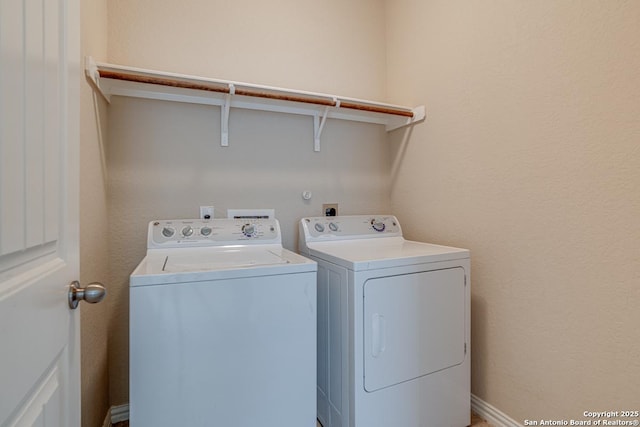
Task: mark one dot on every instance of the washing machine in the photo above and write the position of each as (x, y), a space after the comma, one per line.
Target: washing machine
(222, 327)
(393, 325)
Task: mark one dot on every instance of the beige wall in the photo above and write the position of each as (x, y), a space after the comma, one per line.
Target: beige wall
(165, 159)
(94, 253)
(530, 157)
(332, 46)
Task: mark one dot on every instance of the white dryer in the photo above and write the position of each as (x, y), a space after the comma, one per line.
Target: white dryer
(393, 325)
(222, 327)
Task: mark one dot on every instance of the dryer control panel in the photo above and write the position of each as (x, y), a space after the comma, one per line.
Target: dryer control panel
(349, 227)
(212, 232)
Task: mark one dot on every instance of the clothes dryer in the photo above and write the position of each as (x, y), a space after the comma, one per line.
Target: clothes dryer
(222, 327)
(393, 325)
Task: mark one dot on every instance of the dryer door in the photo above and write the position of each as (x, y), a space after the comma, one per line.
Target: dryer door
(413, 326)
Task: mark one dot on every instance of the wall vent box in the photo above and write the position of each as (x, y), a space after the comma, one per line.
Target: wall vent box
(251, 213)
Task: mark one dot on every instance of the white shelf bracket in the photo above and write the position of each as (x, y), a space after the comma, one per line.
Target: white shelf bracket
(224, 117)
(318, 125)
(92, 73)
(419, 114)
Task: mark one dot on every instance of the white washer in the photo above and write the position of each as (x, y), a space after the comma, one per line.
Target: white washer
(222, 327)
(393, 325)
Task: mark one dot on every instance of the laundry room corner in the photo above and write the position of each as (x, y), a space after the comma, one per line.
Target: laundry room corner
(165, 159)
(529, 158)
(94, 224)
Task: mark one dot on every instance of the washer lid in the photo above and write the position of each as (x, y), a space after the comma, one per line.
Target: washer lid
(179, 262)
(387, 252)
(199, 264)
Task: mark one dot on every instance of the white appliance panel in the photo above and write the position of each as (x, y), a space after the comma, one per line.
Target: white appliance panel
(322, 368)
(240, 334)
(333, 344)
(167, 266)
(421, 375)
(383, 252)
(179, 263)
(414, 325)
(222, 327)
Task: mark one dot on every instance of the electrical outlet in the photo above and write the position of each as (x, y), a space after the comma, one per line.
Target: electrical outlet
(206, 212)
(329, 209)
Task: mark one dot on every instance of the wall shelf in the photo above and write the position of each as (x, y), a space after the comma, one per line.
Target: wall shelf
(116, 80)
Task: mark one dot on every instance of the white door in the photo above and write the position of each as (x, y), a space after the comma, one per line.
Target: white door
(414, 325)
(39, 131)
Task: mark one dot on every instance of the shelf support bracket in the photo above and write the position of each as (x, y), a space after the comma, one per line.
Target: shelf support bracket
(318, 125)
(224, 117)
(92, 73)
(419, 114)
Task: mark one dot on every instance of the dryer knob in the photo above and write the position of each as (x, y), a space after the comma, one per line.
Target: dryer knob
(249, 230)
(378, 226)
(205, 231)
(333, 226)
(187, 231)
(319, 227)
(168, 232)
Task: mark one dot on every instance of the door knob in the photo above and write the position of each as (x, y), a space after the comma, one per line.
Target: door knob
(92, 293)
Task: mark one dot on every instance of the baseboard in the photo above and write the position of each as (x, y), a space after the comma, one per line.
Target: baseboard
(492, 414)
(119, 413)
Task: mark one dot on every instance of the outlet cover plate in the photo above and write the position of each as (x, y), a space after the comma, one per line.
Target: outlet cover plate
(206, 211)
(329, 209)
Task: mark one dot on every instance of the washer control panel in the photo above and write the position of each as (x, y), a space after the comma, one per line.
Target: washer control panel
(350, 226)
(212, 232)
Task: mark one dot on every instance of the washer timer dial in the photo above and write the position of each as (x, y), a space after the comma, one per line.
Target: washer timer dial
(249, 230)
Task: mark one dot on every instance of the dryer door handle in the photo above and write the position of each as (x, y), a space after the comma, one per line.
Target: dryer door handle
(378, 334)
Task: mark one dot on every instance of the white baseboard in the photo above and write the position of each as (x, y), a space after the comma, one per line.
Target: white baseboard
(119, 413)
(490, 413)
(493, 415)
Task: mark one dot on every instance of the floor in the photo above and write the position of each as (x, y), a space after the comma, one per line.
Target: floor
(476, 421)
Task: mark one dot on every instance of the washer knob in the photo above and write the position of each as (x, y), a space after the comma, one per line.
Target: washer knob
(168, 232)
(378, 226)
(205, 231)
(249, 230)
(319, 227)
(187, 231)
(333, 226)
